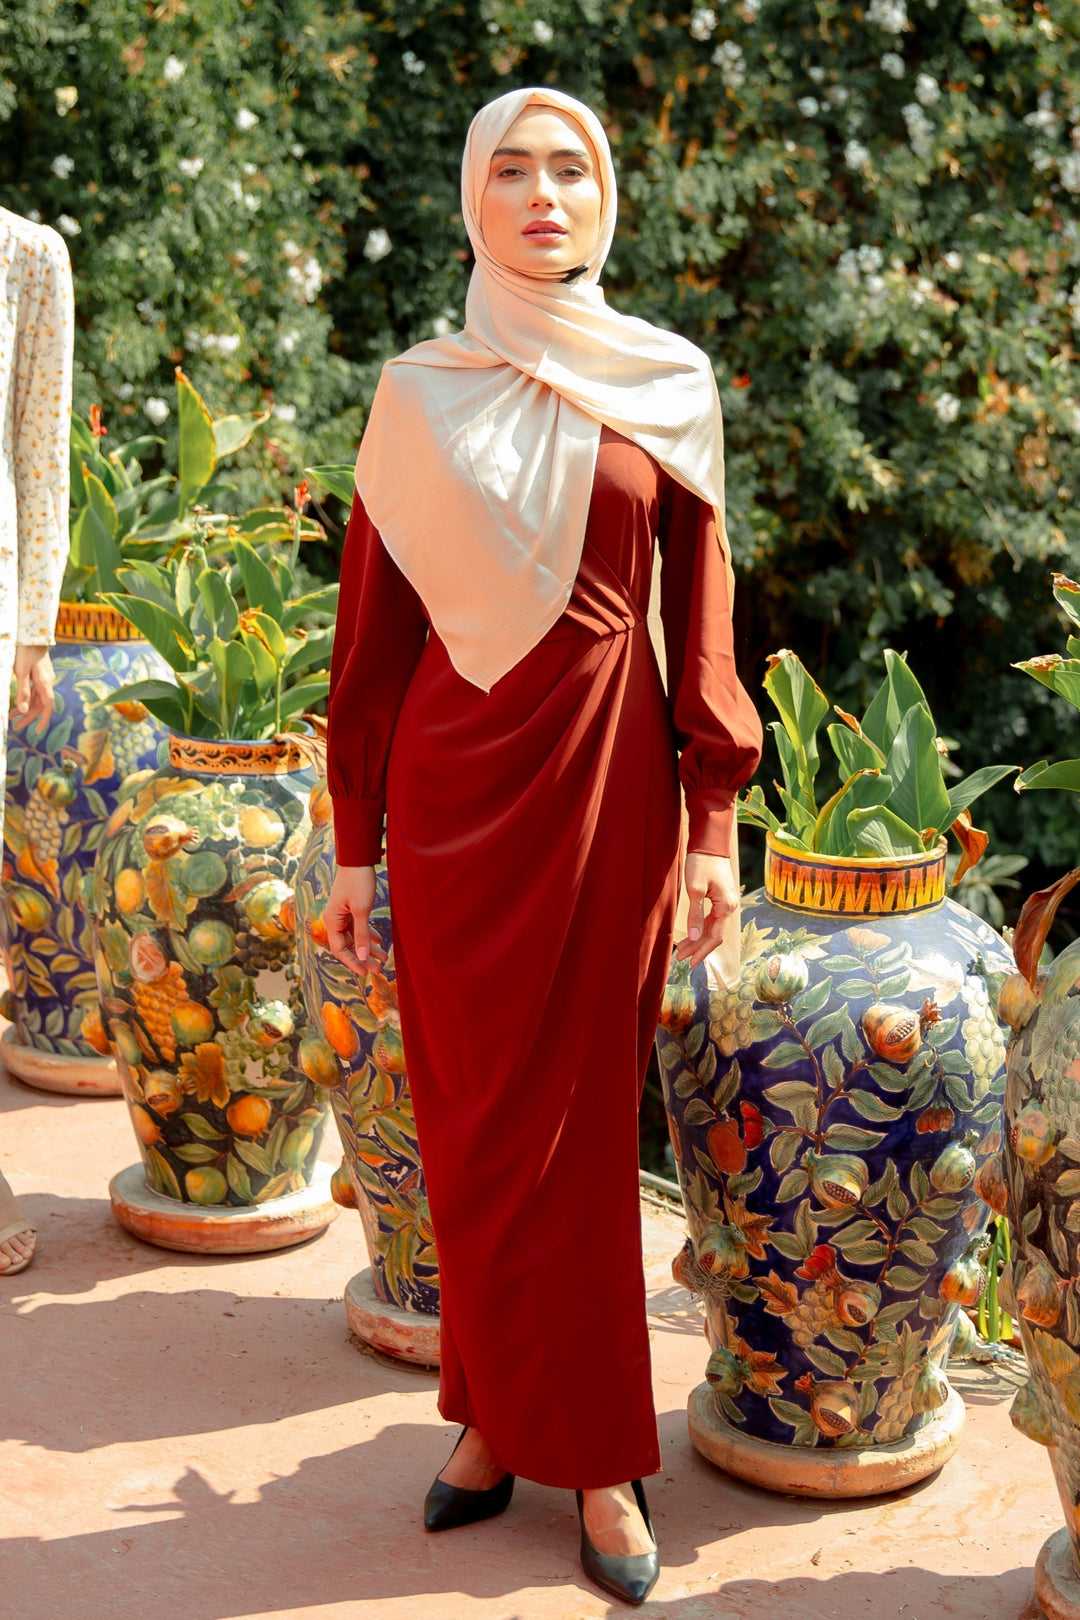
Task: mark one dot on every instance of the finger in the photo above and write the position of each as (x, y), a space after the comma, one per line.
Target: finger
(361, 934)
(22, 694)
(340, 942)
(695, 919)
(41, 682)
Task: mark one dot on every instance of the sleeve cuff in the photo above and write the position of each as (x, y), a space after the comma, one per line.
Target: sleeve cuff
(358, 831)
(711, 812)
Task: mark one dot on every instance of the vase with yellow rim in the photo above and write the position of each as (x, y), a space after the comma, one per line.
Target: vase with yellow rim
(393, 1303)
(828, 1112)
(62, 784)
(194, 918)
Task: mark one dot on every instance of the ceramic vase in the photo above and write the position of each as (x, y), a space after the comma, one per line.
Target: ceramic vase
(826, 1115)
(62, 783)
(394, 1303)
(1036, 1182)
(194, 936)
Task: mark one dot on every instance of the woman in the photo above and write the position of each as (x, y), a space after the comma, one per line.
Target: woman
(494, 684)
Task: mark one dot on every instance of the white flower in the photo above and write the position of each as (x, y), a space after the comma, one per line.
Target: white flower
(847, 267)
(1074, 305)
(1069, 171)
(411, 62)
(875, 290)
(288, 340)
(62, 166)
(146, 309)
(750, 9)
(856, 154)
(919, 128)
(947, 407)
(157, 410)
(250, 169)
(191, 168)
(296, 149)
(808, 106)
(441, 325)
(702, 22)
(870, 258)
(69, 226)
(173, 69)
(1045, 118)
(67, 97)
(817, 74)
(228, 342)
(732, 64)
(543, 33)
(285, 413)
(893, 65)
(890, 15)
(240, 257)
(837, 94)
(307, 278)
(378, 245)
(953, 261)
(927, 89)
(251, 202)
(33, 215)
(246, 119)
(1041, 159)
(124, 390)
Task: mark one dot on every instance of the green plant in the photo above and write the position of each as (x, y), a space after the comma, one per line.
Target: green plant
(994, 1322)
(1061, 676)
(247, 659)
(977, 888)
(892, 798)
(119, 516)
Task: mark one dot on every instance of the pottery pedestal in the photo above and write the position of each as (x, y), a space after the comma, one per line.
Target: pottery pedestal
(195, 949)
(393, 1305)
(827, 1114)
(1057, 1581)
(62, 785)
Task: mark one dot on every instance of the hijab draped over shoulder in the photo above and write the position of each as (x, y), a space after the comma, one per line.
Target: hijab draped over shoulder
(477, 462)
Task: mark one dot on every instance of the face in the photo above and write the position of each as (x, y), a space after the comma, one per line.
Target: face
(540, 212)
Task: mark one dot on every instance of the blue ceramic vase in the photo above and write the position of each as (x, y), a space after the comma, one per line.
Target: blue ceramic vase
(827, 1115)
(62, 784)
(359, 1026)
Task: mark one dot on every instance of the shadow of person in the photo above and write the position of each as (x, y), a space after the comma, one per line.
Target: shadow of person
(913, 1593)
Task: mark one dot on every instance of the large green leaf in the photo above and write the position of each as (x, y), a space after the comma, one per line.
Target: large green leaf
(164, 631)
(1067, 596)
(260, 586)
(232, 666)
(93, 547)
(197, 445)
(802, 706)
(339, 479)
(218, 605)
(231, 433)
(919, 796)
(162, 698)
(962, 794)
(880, 833)
(324, 600)
(1061, 675)
(898, 693)
(862, 791)
(855, 753)
(101, 501)
(312, 650)
(1065, 773)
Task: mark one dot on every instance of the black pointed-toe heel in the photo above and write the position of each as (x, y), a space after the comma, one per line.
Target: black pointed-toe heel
(630, 1576)
(448, 1506)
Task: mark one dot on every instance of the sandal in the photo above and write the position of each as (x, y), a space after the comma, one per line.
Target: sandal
(13, 1223)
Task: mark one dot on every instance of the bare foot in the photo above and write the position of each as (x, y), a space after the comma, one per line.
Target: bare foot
(16, 1249)
(613, 1522)
(472, 1467)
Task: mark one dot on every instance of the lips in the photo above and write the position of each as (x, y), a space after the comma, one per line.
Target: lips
(544, 227)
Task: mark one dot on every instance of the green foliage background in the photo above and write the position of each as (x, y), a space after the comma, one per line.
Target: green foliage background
(867, 214)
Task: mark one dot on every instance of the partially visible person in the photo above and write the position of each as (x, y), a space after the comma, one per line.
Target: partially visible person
(36, 338)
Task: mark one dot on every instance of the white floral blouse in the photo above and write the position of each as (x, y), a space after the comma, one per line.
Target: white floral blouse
(37, 321)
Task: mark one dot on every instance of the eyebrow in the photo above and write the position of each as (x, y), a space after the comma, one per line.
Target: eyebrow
(526, 152)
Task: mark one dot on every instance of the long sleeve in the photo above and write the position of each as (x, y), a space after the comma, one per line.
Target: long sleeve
(381, 630)
(716, 725)
(41, 397)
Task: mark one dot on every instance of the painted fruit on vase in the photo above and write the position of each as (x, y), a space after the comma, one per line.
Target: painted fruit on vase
(830, 1112)
(62, 784)
(355, 1053)
(203, 1009)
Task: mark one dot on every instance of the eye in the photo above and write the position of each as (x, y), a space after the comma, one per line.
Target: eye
(575, 172)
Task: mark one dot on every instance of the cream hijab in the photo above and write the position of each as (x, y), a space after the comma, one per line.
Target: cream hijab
(477, 462)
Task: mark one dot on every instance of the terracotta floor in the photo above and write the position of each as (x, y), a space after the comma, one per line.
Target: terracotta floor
(199, 1440)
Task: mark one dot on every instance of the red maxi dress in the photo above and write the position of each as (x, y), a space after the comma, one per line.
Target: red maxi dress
(533, 854)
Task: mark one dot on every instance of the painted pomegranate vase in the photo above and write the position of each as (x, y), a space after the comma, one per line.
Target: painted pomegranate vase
(194, 931)
(62, 784)
(357, 1035)
(828, 1114)
(1036, 1182)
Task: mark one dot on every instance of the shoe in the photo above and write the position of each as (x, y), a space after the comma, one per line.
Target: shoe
(630, 1576)
(448, 1506)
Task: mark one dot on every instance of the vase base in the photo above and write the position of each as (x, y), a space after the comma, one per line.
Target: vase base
(1057, 1583)
(215, 1229)
(405, 1335)
(56, 1071)
(810, 1471)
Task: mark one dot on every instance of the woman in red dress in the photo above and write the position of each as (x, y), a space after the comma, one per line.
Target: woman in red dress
(495, 690)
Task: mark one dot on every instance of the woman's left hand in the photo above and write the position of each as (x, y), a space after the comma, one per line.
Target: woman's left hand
(707, 877)
(33, 686)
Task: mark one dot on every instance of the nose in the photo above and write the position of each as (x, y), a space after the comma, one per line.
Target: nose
(543, 192)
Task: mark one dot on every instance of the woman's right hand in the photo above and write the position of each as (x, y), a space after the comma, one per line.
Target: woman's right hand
(348, 931)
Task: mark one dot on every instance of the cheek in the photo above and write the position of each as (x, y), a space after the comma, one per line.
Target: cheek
(496, 214)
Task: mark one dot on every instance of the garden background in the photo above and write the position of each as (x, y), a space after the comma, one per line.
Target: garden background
(869, 216)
